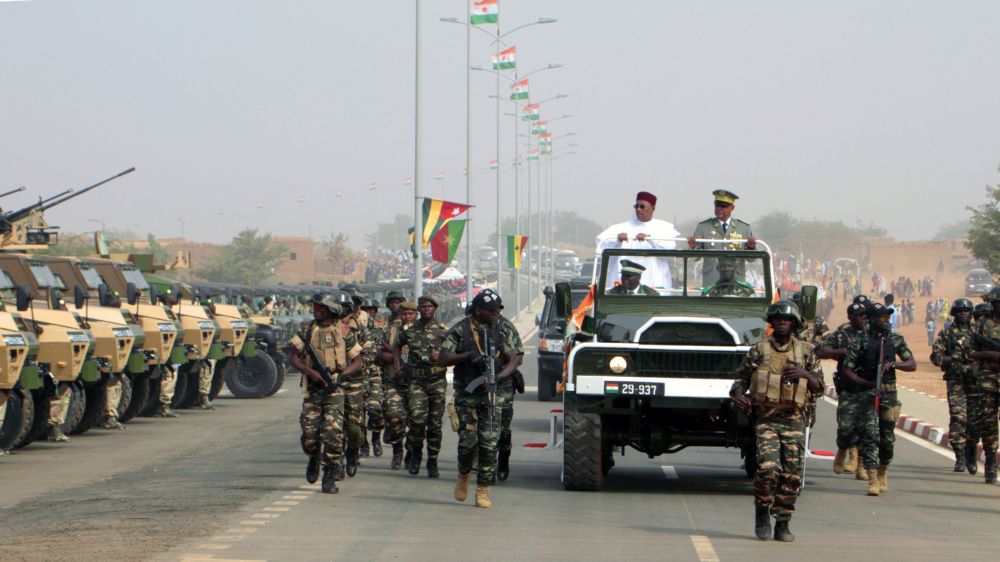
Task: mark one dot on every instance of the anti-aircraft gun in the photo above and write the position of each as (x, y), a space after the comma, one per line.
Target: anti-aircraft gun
(26, 229)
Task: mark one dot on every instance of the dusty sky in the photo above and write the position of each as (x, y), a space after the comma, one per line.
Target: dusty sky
(873, 111)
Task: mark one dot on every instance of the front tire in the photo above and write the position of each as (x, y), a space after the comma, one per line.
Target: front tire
(583, 469)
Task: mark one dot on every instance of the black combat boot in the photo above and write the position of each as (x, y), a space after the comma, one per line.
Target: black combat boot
(330, 480)
(959, 458)
(340, 473)
(376, 444)
(352, 461)
(408, 459)
(762, 523)
(397, 456)
(781, 532)
(432, 468)
(503, 465)
(991, 466)
(971, 458)
(312, 469)
(415, 459)
(365, 450)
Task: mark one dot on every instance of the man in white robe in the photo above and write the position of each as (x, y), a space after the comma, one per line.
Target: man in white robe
(641, 233)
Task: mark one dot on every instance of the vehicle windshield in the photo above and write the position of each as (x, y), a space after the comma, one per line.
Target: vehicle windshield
(980, 277)
(44, 276)
(691, 274)
(135, 276)
(91, 276)
(5, 282)
(559, 323)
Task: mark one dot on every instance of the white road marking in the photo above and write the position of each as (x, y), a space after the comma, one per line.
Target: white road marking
(286, 503)
(703, 547)
(243, 530)
(214, 546)
(912, 438)
(309, 487)
(227, 538)
(282, 391)
(670, 472)
(294, 497)
(266, 515)
(252, 522)
(282, 509)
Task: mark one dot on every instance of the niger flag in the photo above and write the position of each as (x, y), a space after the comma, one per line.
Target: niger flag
(445, 242)
(437, 213)
(515, 245)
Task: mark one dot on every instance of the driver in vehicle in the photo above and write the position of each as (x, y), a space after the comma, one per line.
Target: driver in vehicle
(727, 285)
(631, 275)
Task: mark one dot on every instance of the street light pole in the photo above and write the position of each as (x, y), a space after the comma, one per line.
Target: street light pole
(418, 219)
(469, 281)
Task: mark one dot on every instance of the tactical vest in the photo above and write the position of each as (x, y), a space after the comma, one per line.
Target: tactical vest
(465, 372)
(868, 369)
(330, 346)
(766, 387)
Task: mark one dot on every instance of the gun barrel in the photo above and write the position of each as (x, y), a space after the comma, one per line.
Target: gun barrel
(56, 196)
(86, 189)
(13, 191)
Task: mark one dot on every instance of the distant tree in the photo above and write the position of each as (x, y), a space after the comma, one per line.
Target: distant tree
(250, 258)
(391, 235)
(957, 230)
(870, 229)
(335, 257)
(984, 233)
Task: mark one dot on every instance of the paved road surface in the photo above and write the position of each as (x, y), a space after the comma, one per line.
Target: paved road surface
(228, 485)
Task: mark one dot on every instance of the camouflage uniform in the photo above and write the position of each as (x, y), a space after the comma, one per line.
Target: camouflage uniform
(354, 386)
(780, 431)
(963, 391)
(373, 378)
(322, 418)
(58, 408)
(850, 398)
(506, 387)
(427, 389)
(396, 391)
(476, 437)
(731, 289)
(989, 389)
(890, 405)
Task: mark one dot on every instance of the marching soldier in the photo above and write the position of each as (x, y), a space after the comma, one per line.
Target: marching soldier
(851, 398)
(952, 352)
(861, 366)
(428, 386)
(322, 415)
(373, 377)
(354, 384)
(776, 382)
(989, 382)
(509, 391)
(396, 386)
(467, 346)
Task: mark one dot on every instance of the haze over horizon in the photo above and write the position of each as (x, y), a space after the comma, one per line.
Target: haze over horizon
(873, 112)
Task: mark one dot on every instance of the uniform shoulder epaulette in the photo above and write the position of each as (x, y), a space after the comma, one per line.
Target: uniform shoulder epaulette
(741, 221)
(709, 220)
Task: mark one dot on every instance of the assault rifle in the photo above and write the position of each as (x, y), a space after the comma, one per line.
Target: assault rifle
(317, 364)
(489, 376)
(987, 344)
(878, 373)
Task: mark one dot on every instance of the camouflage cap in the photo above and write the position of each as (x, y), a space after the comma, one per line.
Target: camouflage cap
(407, 305)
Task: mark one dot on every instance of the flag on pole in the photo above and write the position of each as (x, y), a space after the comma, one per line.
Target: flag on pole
(520, 90)
(339, 193)
(445, 242)
(485, 11)
(438, 213)
(371, 186)
(407, 181)
(493, 164)
(439, 176)
(533, 155)
(531, 112)
(504, 60)
(545, 138)
(539, 127)
(515, 246)
(413, 249)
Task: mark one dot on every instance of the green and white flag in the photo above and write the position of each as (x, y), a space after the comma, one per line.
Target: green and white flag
(486, 11)
(520, 90)
(504, 60)
(539, 127)
(531, 112)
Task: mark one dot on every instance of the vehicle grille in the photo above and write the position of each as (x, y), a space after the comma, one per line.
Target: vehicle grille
(661, 363)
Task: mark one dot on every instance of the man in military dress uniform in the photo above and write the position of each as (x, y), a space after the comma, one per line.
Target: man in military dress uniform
(467, 346)
(723, 226)
(396, 385)
(631, 277)
(322, 414)
(852, 399)
(989, 382)
(861, 366)
(428, 386)
(952, 352)
(776, 382)
(727, 285)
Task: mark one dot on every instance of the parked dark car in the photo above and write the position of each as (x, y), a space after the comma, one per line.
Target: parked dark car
(550, 339)
(978, 282)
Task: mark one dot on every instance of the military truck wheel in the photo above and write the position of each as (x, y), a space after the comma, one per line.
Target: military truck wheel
(254, 379)
(279, 379)
(582, 452)
(180, 388)
(13, 419)
(38, 423)
(191, 372)
(140, 396)
(28, 408)
(95, 407)
(546, 387)
(152, 396)
(125, 398)
(77, 407)
(217, 379)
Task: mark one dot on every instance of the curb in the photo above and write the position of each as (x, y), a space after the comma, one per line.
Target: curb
(918, 428)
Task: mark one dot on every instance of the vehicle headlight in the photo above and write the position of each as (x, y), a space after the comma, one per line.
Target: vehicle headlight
(553, 345)
(618, 364)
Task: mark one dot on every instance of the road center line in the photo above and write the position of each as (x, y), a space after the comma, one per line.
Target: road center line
(285, 503)
(252, 522)
(670, 472)
(703, 548)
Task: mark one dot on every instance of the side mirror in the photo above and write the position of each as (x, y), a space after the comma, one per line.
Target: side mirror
(23, 298)
(548, 290)
(175, 289)
(103, 296)
(810, 294)
(154, 295)
(196, 296)
(79, 296)
(131, 293)
(564, 300)
(538, 320)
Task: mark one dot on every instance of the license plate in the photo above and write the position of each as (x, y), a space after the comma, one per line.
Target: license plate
(633, 388)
